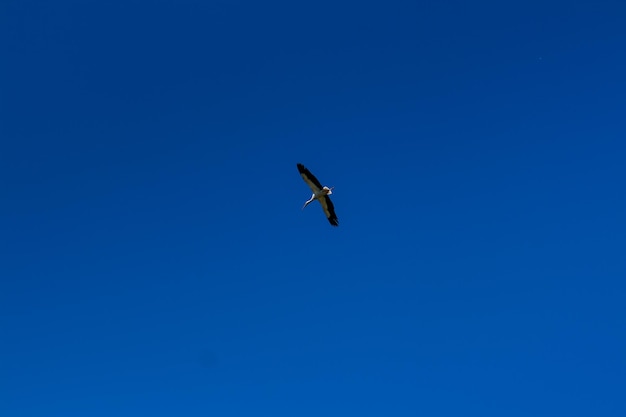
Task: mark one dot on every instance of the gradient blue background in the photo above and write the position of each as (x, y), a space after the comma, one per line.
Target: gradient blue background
(154, 259)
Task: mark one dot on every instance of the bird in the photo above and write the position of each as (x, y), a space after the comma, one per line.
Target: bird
(320, 194)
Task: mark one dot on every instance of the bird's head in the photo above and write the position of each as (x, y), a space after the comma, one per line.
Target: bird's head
(328, 191)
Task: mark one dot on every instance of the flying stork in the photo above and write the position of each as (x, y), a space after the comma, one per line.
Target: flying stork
(320, 194)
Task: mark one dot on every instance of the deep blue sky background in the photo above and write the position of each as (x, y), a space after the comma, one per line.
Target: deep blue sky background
(154, 259)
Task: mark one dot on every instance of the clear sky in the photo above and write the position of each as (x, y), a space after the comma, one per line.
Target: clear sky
(154, 260)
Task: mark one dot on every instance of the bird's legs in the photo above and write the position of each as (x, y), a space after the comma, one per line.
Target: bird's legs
(309, 202)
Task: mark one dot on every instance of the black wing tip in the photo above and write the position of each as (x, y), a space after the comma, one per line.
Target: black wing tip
(330, 212)
(309, 177)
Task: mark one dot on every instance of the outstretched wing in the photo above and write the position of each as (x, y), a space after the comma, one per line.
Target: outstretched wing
(329, 210)
(309, 178)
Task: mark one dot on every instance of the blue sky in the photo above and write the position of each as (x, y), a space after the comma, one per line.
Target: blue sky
(154, 259)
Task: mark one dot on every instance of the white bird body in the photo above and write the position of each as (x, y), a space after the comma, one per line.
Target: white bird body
(320, 194)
